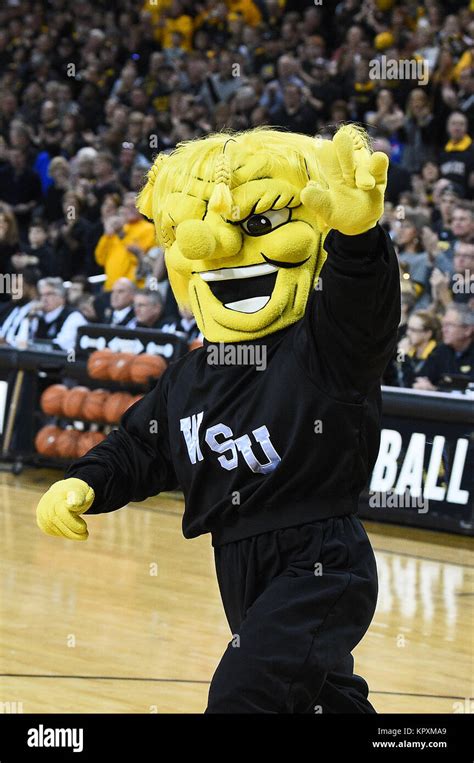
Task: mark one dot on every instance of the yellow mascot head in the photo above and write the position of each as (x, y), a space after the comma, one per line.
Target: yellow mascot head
(242, 250)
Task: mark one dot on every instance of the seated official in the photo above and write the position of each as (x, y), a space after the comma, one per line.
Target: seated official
(455, 355)
(16, 310)
(55, 320)
(121, 312)
(148, 306)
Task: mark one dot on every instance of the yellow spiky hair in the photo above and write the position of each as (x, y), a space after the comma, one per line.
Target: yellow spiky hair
(213, 160)
(145, 197)
(221, 198)
(210, 167)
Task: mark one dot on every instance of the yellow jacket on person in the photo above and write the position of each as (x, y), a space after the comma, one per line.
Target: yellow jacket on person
(250, 12)
(164, 26)
(112, 253)
(465, 62)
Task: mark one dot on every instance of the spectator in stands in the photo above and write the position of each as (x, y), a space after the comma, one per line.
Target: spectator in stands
(455, 355)
(422, 336)
(462, 228)
(126, 238)
(60, 173)
(360, 90)
(109, 208)
(418, 131)
(398, 178)
(121, 312)
(457, 158)
(9, 242)
(442, 225)
(90, 207)
(72, 239)
(20, 186)
(105, 177)
(54, 320)
(408, 302)
(287, 70)
(77, 287)
(413, 259)
(128, 160)
(423, 184)
(324, 89)
(389, 118)
(462, 285)
(457, 287)
(148, 307)
(222, 85)
(38, 251)
(297, 112)
(465, 97)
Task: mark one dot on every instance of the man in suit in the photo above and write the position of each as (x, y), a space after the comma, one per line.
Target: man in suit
(148, 306)
(55, 320)
(121, 312)
(17, 309)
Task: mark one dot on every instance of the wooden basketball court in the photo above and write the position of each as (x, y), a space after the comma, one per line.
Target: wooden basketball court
(131, 620)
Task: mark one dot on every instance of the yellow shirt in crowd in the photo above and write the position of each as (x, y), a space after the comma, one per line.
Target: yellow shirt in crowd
(163, 27)
(112, 254)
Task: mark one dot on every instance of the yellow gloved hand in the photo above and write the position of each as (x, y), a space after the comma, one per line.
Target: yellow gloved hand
(349, 197)
(58, 511)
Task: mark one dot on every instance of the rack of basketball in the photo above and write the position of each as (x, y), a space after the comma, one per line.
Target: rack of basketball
(83, 417)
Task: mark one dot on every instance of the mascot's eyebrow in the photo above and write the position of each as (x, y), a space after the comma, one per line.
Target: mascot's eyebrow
(252, 211)
(251, 180)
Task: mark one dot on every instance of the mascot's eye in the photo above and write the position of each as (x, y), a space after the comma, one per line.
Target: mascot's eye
(258, 225)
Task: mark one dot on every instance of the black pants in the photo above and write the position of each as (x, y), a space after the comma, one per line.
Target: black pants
(298, 601)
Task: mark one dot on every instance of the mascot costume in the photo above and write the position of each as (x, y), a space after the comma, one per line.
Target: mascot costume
(272, 428)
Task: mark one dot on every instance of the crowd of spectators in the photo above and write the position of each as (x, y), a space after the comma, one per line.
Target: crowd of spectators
(91, 91)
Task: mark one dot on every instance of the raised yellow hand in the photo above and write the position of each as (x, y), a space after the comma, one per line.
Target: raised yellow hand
(350, 193)
(58, 511)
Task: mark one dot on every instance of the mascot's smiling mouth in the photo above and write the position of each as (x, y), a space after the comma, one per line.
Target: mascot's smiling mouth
(246, 289)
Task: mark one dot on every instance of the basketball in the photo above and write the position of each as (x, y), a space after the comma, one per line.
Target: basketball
(73, 402)
(115, 406)
(46, 440)
(98, 364)
(119, 367)
(147, 366)
(88, 440)
(93, 406)
(51, 400)
(67, 443)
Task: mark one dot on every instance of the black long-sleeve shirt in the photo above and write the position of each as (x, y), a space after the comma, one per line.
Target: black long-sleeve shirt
(257, 450)
(445, 360)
